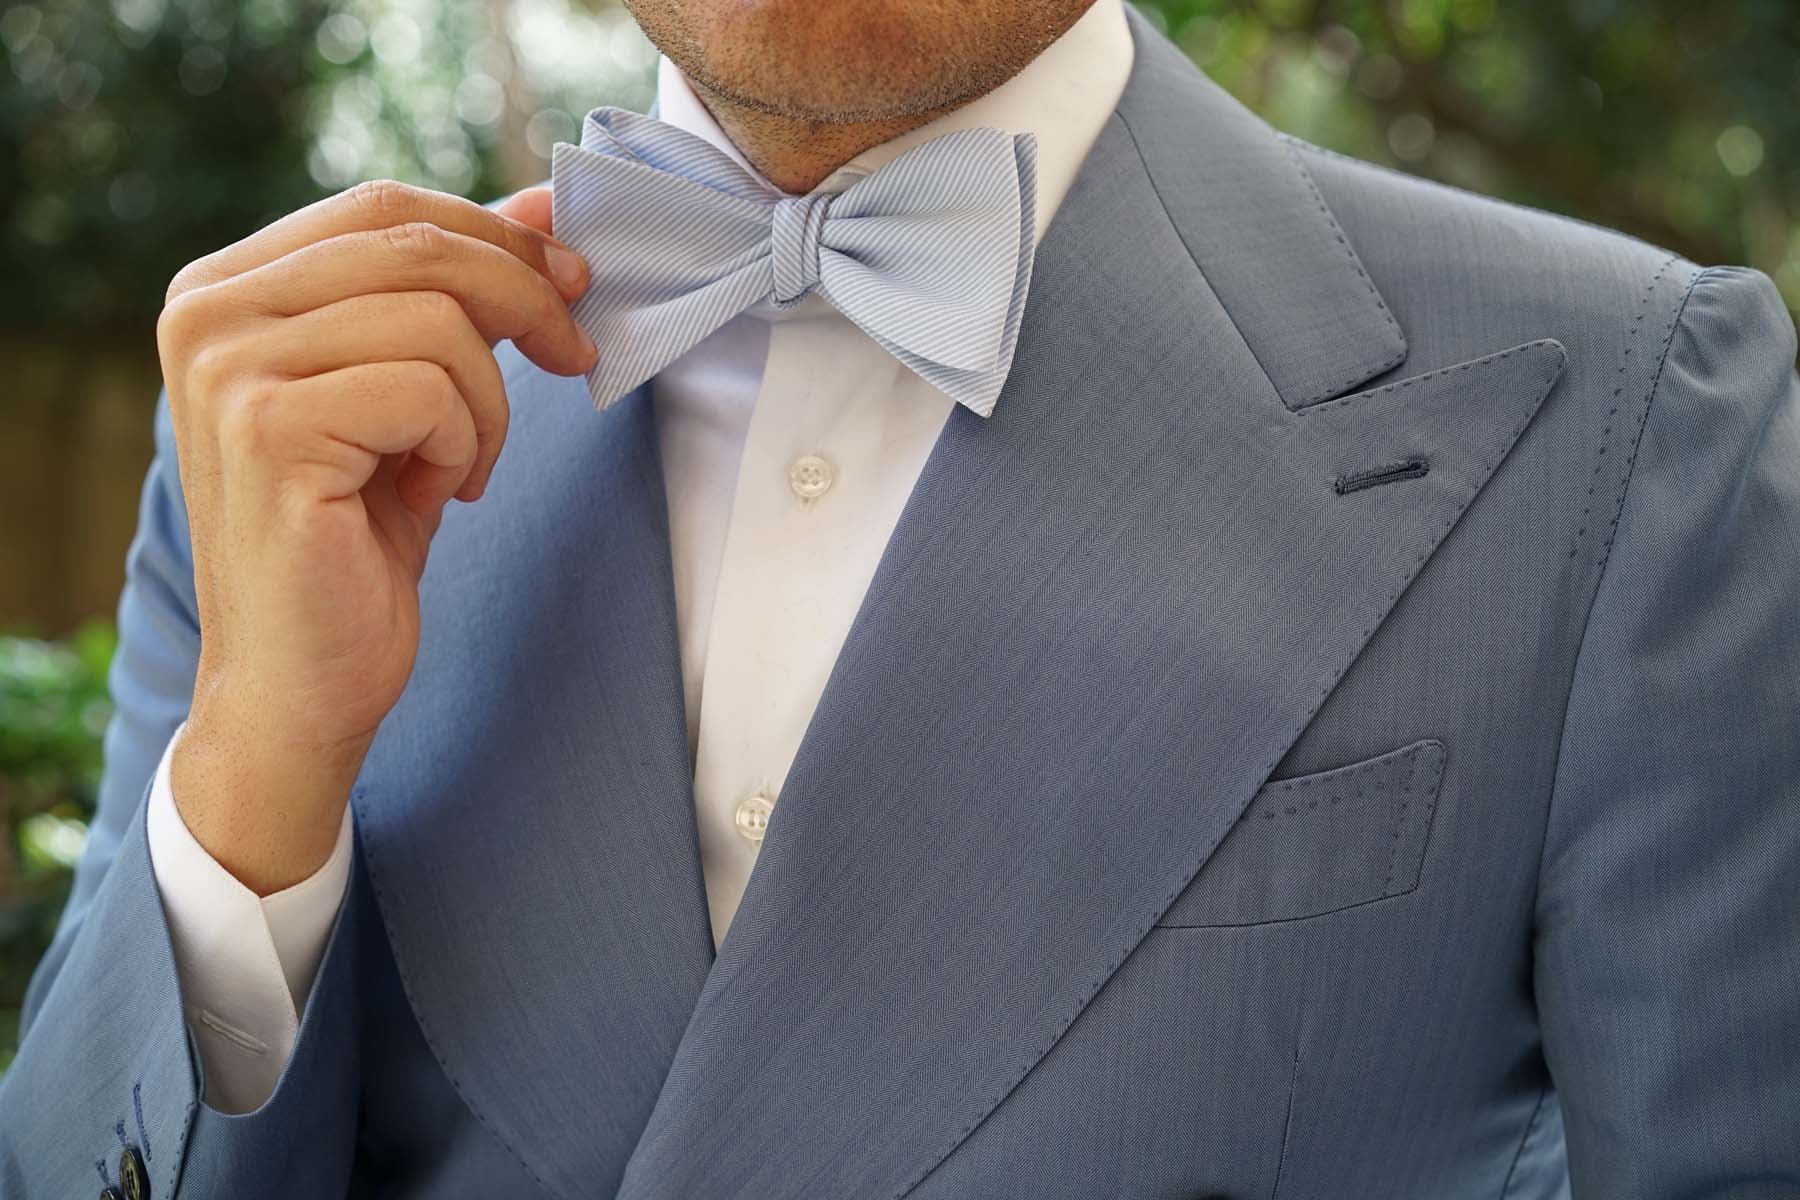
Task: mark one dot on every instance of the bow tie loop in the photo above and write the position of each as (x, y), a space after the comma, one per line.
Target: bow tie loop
(794, 246)
(929, 255)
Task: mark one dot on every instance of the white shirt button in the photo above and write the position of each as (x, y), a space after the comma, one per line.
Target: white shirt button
(752, 818)
(810, 476)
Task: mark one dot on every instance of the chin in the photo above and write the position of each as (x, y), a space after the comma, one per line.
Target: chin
(829, 60)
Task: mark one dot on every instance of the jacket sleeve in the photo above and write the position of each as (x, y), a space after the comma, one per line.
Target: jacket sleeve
(105, 1058)
(1667, 964)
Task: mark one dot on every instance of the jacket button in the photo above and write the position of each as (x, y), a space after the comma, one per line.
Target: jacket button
(134, 1181)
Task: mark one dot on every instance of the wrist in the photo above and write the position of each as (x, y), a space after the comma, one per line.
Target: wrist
(266, 808)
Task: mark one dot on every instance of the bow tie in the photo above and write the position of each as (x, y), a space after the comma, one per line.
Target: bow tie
(930, 255)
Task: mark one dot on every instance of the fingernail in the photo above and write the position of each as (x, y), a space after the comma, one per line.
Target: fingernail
(566, 267)
(593, 350)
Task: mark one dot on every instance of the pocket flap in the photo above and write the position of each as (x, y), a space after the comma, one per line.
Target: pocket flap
(1318, 843)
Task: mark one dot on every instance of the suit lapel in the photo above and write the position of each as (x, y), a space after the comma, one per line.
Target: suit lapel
(526, 815)
(1104, 616)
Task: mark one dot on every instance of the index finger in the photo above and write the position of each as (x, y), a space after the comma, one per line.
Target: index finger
(382, 204)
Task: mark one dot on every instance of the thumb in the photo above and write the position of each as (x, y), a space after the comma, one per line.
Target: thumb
(532, 208)
(529, 207)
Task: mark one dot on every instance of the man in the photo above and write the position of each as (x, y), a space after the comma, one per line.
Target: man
(1236, 672)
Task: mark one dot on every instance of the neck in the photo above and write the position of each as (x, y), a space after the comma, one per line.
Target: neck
(794, 153)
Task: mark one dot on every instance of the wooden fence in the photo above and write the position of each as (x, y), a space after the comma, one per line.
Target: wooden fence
(75, 438)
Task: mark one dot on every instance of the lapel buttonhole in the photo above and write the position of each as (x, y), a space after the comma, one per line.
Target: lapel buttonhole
(1356, 481)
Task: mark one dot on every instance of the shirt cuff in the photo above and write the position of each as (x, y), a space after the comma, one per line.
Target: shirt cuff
(246, 963)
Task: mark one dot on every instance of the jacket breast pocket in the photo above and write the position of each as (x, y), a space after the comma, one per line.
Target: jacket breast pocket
(1318, 843)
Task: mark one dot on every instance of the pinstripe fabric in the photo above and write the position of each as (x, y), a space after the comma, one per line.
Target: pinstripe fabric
(930, 255)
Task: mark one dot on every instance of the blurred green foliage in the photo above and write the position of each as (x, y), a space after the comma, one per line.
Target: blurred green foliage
(1674, 121)
(137, 135)
(131, 143)
(53, 710)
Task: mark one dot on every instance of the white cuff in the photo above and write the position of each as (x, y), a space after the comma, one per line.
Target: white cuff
(246, 963)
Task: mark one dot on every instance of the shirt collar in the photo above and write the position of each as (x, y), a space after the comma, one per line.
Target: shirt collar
(1063, 96)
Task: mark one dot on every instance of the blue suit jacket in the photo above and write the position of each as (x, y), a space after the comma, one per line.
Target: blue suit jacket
(1332, 733)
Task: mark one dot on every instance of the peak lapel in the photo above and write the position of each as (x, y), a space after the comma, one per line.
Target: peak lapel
(1256, 225)
(526, 815)
(1105, 614)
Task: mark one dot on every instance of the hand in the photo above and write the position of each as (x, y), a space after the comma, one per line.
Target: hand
(333, 385)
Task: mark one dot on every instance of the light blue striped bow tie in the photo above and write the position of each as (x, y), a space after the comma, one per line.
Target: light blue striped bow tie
(930, 255)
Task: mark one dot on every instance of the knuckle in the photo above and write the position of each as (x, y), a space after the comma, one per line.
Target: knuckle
(194, 275)
(176, 323)
(522, 243)
(212, 366)
(416, 240)
(246, 424)
(434, 308)
(384, 201)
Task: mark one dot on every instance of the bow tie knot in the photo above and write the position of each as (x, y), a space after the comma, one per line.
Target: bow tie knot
(929, 254)
(794, 246)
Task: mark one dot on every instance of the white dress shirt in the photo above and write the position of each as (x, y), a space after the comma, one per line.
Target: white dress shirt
(790, 442)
